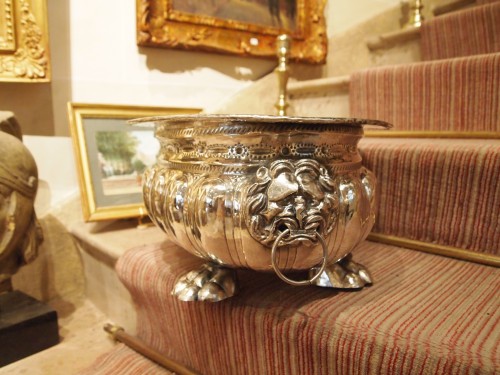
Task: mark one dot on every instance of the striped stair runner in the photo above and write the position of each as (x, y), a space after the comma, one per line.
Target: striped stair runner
(440, 191)
(461, 94)
(123, 360)
(425, 314)
(472, 31)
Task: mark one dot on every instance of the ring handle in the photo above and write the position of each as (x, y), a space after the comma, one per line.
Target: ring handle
(294, 282)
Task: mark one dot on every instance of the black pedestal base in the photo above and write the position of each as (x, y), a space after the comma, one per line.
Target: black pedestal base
(27, 326)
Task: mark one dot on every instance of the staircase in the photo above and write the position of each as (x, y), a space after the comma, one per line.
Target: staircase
(438, 175)
(433, 311)
(443, 191)
(438, 179)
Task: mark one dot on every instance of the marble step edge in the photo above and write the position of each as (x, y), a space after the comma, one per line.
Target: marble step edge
(393, 38)
(108, 240)
(328, 84)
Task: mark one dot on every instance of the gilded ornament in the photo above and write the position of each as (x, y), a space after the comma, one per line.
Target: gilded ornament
(25, 57)
(192, 25)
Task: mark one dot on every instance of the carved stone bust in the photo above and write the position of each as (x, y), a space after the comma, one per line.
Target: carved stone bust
(20, 232)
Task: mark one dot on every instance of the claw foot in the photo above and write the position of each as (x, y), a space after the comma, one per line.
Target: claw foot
(345, 274)
(210, 283)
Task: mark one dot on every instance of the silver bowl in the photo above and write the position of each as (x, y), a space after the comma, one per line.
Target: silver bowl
(264, 193)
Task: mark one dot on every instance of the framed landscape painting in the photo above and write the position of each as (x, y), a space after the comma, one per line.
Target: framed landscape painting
(240, 27)
(111, 156)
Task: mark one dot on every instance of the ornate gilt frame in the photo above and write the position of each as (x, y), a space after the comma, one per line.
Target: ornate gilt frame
(159, 25)
(93, 210)
(24, 41)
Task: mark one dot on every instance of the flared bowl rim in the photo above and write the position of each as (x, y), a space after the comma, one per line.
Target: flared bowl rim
(200, 120)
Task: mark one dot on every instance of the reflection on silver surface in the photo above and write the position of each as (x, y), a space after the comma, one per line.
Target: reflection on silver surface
(345, 274)
(225, 188)
(313, 276)
(209, 283)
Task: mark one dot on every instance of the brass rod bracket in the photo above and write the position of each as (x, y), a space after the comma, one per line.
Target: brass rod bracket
(136, 344)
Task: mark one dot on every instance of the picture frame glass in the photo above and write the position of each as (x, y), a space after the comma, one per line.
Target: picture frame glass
(267, 14)
(118, 155)
(112, 155)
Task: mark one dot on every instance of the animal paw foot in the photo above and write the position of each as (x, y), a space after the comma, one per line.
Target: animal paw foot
(210, 283)
(345, 274)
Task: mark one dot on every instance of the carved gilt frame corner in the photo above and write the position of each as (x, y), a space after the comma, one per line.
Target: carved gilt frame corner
(160, 25)
(24, 41)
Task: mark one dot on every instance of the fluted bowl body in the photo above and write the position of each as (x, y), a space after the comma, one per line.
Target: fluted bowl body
(225, 187)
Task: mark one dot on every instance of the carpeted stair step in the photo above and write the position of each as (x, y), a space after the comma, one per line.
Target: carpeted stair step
(461, 94)
(122, 361)
(468, 32)
(425, 312)
(440, 191)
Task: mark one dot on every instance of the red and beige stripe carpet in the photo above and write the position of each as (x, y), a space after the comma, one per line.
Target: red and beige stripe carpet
(425, 314)
(442, 191)
(473, 31)
(123, 360)
(446, 95)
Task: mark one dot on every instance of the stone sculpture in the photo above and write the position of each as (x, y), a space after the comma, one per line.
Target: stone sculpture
(27, 325)
(20, 232)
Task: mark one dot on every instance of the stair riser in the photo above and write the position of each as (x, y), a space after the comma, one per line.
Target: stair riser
(104, 289)
(437, 193)
(472, 31)
(336, 105)
(453, 95)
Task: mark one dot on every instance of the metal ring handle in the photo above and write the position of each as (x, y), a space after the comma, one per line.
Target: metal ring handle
(294, 282)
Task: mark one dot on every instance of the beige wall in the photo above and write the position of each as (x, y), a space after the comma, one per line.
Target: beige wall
(95, 60)
(345, 14)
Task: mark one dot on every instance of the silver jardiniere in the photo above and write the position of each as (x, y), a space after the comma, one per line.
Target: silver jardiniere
(264, 193)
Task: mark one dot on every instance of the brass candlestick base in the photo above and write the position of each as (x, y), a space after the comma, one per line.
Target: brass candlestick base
(415, 17)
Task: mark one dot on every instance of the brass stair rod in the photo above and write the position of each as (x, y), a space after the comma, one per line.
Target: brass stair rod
(283, 52)
(119, 334)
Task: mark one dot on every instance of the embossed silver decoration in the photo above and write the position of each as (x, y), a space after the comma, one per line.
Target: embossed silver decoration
(298, 195)
(264, 193)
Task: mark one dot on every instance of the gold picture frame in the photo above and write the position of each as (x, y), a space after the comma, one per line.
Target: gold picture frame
(110, 156)
(24, 41)
(209, 26)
